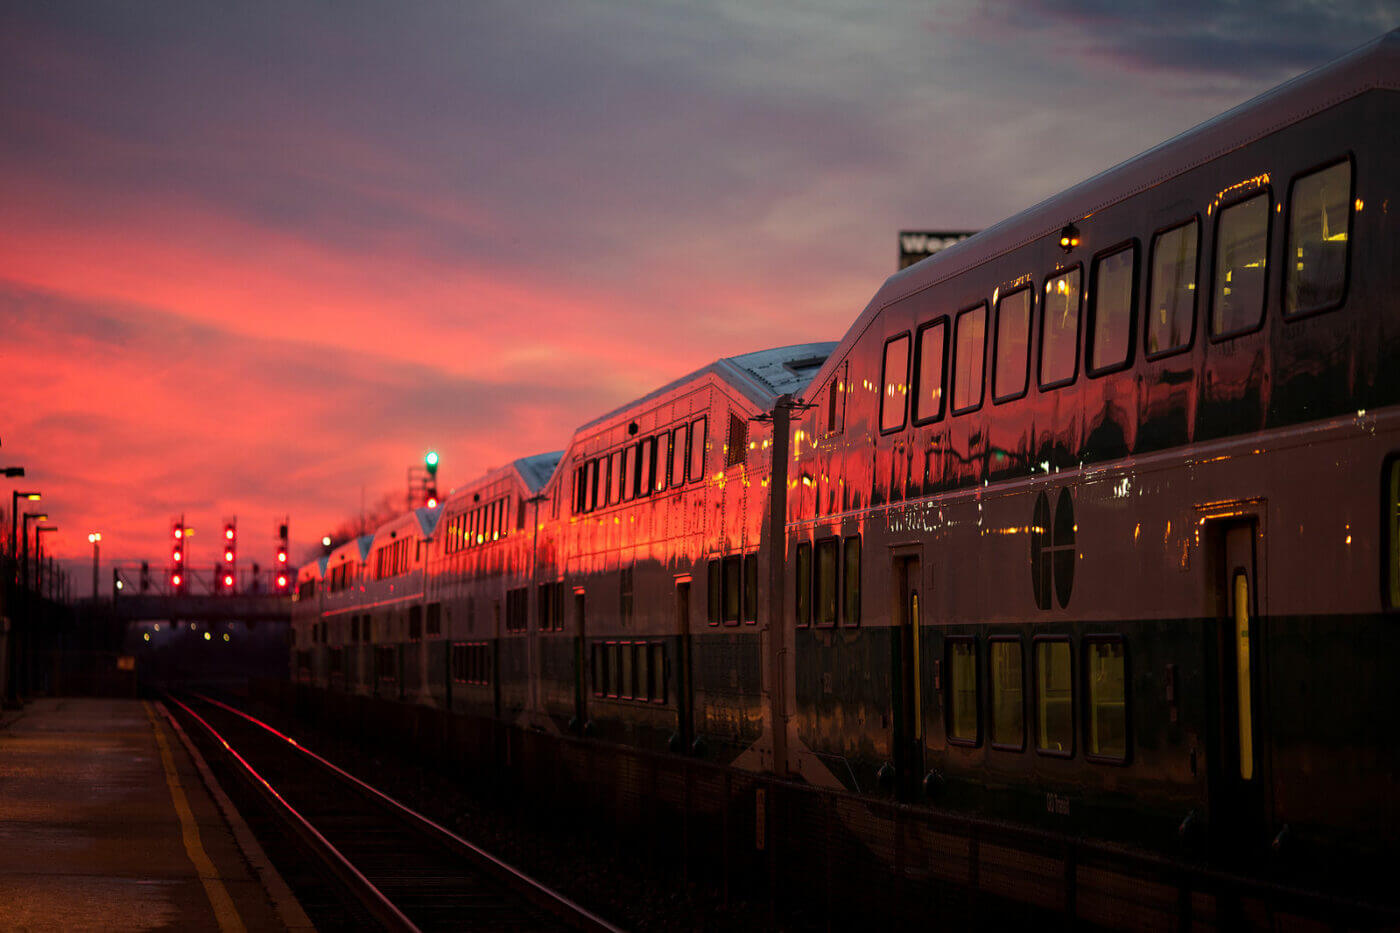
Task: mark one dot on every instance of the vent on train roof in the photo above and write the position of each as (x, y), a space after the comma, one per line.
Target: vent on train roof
(806, 365)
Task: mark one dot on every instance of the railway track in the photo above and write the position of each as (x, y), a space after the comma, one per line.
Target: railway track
(408, 872)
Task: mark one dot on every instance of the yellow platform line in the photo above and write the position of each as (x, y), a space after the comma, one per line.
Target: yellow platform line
(224, 911)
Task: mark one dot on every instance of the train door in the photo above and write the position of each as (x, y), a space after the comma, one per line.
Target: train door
(580, 669)
(685, 691)
(1240, 808)
(907, 680)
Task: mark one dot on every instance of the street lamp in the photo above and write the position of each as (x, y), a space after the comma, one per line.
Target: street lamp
(37, 516)
(14, 517)
(95, 539)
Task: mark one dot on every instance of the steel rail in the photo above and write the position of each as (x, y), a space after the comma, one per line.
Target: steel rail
(538, 893)
(364, 890)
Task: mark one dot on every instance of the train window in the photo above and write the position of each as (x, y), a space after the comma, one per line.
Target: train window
(1111, 304)
(415, 623)
(697, 450)
(615, 477)
(1059, 329)
(850, 580)
(827, 583)
(678, 453)
(736, 445)
(962, 692)
(647, 477)
(641, 676)
(1011, 362)
(629, 473)
(969, 353)
(1105, 677)
(894, 377)
(751, 588)
(803, 600)
(663, 459)
(578, 490)
(1054, 697)
(626, 682)
(1319, 231)
(592, 486)
(1008, 699)
(614, 669)
(1171, 304)
(930, 356)
(716, 592)
(600, 675)
(1241, 257)
(658, 672)
(732, 597)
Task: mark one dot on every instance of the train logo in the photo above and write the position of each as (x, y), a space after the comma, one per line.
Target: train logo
(1053, 551)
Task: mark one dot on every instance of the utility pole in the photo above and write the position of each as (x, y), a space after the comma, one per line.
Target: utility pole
(779, 633)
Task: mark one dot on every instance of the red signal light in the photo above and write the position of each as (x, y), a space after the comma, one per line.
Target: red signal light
(281, 557)
(228, 579)
(281, 580)
(176, 579)
(228, 556)
(177, 556)
(228, 532)
(179, 532)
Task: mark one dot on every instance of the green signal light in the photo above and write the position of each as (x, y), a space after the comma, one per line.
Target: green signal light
(432, 461)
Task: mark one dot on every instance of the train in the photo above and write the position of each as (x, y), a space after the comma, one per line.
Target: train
(1089, 522)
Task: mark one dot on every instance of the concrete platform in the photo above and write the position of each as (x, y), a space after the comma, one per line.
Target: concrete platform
(106, 823)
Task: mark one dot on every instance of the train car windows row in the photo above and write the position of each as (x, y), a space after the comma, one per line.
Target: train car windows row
(894, 379)
(391, 560)
(550, 601)
(733, 590)
(517, 609)
(931, 357)
(1241, 266)
(969, 358)
(1113, 296)
(1059, 330)
(1321, 209)
(1319, 232)
(650, 465)
(479, 526)
(471, 663)
(629, 670)
(1011, 363)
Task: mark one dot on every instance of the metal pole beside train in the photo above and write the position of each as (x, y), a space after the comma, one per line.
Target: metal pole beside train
(778, 633)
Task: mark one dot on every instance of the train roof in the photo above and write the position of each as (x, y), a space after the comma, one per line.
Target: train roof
(356, 549)
(421, 520)
(761, 376)
(315, 570)
(1373, 66)
(536, 470)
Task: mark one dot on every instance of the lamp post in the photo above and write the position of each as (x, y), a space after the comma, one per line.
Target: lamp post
(37, 516)
(94, 539)
(14, 519)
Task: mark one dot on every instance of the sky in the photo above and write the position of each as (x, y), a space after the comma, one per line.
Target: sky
(257, 258)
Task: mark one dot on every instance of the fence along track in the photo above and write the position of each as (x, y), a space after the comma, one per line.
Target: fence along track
(409, 872)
